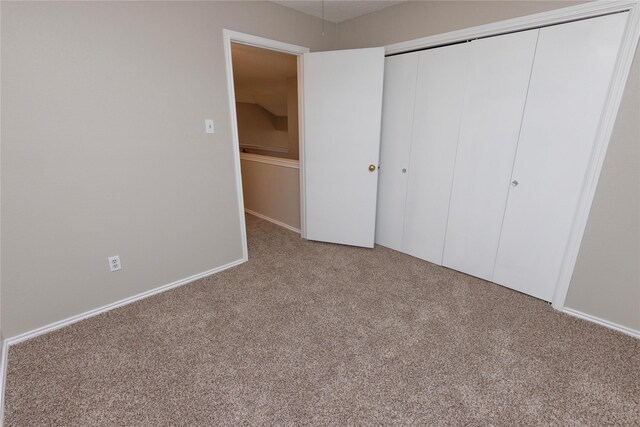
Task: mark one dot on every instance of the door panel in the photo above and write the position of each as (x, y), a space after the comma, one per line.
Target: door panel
(499, 72)
(439, 98)
(342, 109)
(397, 122)
(569, 84)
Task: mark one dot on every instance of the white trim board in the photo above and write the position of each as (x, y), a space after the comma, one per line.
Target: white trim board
(274, 221)
(74, 319)
(228, 37)
(602, 322)
(552, 17)
(261, 42)
(264, 148)
(607, 123)
(612, 104)
(276, 161)
(301, 150)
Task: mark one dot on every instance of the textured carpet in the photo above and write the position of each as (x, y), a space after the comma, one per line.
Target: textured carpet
(311, 333)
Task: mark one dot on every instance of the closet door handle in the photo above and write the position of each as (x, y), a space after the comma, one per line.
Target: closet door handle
(514, 183)
(372, 168)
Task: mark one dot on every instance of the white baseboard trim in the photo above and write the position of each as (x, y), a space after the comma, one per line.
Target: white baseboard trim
(602, 322)
(275, 221)
(73, 319)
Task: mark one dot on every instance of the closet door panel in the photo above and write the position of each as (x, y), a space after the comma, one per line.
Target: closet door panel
(499, 72)
(569, 84)
(397, 121)
(442, 73)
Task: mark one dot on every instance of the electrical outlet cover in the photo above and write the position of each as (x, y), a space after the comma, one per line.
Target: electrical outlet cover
(114, 263)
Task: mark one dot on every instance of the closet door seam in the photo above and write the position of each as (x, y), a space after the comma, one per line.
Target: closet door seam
(413, 121)
(455, 158)
(524, 109)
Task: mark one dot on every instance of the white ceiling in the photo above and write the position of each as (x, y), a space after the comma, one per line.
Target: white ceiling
(337, 11)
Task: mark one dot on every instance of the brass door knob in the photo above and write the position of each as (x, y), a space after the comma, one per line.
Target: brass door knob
(372, 168)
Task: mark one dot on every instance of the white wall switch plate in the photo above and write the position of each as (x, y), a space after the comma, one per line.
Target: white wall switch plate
(114, 263)
(208, 126)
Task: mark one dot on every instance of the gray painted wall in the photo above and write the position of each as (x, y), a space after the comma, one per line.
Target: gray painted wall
(258, 127)
(272, 190)
(606, 280)
(104, 151)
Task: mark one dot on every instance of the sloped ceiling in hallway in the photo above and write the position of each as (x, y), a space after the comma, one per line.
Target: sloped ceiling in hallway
(260, 77)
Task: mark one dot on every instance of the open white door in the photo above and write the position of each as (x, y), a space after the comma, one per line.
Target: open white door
(342, 113)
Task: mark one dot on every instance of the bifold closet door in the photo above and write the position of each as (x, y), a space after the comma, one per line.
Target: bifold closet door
(496, 90)
(569, 85)
(440, 89)
(395, 140)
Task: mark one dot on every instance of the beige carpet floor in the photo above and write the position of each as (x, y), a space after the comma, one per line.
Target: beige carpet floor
(316, 334)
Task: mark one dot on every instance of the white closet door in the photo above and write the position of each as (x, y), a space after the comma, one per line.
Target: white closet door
(342, 113)
(569, 84)
(442, 74)
(499, 72)
(397, 121)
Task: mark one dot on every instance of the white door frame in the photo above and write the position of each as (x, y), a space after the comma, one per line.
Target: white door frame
(230, 36)
(616, 89)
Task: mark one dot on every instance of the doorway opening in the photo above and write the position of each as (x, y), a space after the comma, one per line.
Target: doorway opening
(265, 84)
(265, 103)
